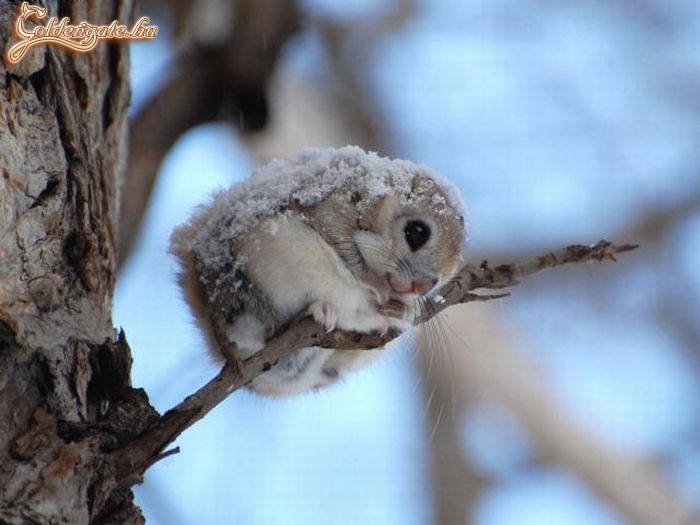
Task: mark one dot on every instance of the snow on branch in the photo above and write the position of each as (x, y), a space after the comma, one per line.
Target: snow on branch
(134, 458)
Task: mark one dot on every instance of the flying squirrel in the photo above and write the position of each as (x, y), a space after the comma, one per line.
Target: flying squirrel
(338, 233)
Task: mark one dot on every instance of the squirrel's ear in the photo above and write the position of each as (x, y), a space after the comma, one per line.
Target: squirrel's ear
(374, 250)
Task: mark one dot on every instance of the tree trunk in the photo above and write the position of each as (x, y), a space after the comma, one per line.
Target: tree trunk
(65, 398)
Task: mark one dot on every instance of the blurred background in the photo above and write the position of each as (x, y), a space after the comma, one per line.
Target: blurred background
(576, 400)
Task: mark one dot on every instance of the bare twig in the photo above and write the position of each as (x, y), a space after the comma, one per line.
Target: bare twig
(135, 457)
(507, 275)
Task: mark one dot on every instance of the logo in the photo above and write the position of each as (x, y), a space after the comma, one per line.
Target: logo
(82, 37)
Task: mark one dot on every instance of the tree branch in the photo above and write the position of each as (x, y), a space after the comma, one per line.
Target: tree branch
(132, 460)
(223, 81)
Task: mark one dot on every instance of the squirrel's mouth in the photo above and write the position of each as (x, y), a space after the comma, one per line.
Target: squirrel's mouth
(408, 288)
(387, 286)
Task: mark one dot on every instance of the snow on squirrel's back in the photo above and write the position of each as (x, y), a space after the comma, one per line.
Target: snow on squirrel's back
(304, 180)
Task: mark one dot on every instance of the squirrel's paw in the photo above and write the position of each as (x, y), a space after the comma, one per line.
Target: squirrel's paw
(393, 308)
(324, 313)
(397, 313)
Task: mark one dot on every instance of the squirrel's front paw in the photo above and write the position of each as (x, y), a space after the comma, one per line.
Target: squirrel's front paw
(397, 313)
(393, 308)
(324, 313)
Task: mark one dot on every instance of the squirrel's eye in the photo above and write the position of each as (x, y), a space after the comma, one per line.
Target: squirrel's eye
(417, 234)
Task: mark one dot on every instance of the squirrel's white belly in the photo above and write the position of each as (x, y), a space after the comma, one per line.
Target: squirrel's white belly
(294, 266)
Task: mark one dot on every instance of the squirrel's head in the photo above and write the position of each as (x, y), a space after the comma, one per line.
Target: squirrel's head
(412, 242)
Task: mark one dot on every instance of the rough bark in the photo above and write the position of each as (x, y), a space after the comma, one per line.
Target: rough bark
(65, 397)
